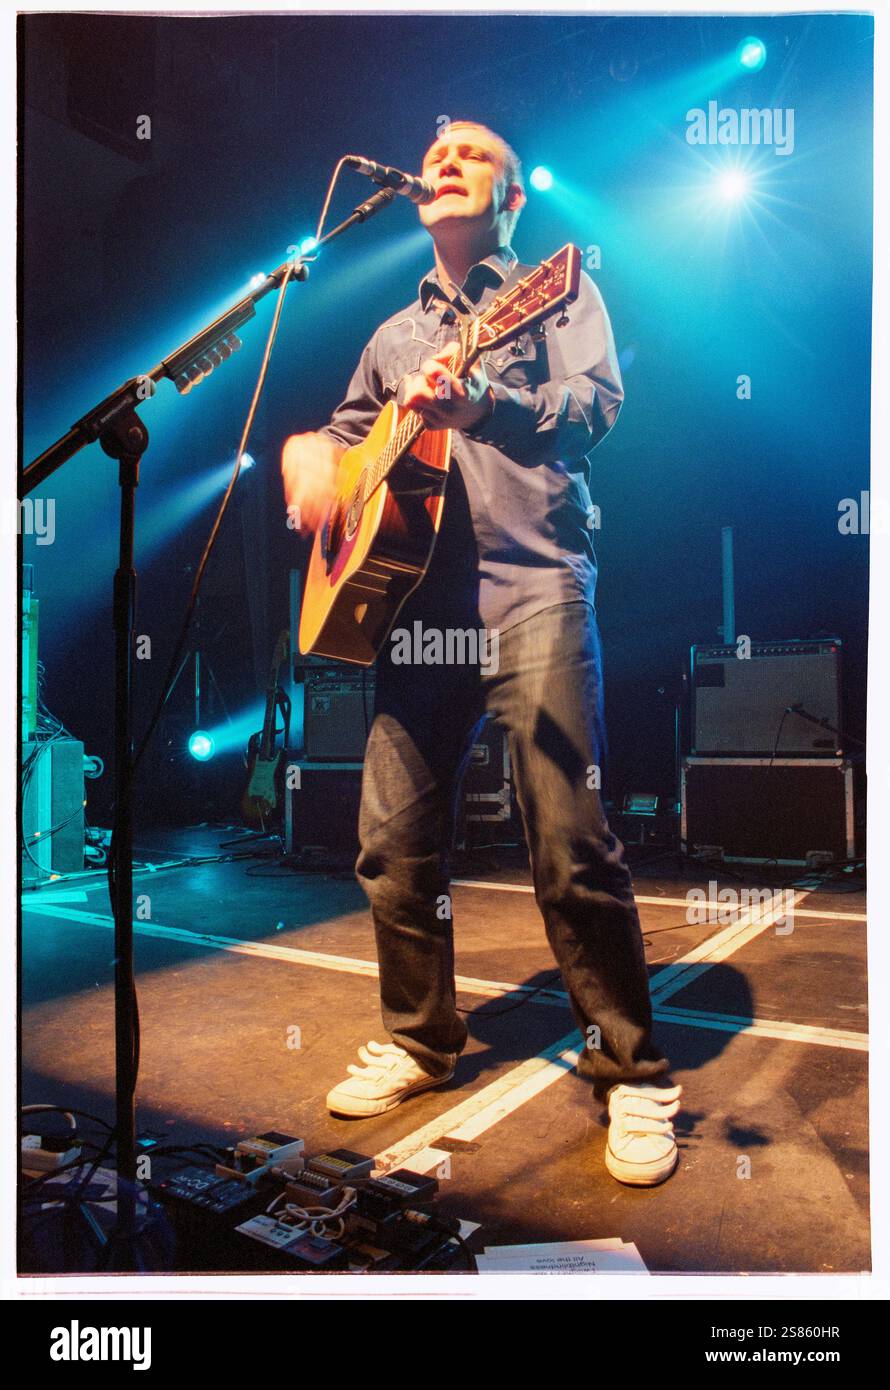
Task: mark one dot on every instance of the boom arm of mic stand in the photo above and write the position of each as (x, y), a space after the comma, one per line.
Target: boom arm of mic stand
(139, 388)
(188, 360)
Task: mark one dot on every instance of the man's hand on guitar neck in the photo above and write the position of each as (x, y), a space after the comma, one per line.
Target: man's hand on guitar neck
(444, 401)
(309, 469)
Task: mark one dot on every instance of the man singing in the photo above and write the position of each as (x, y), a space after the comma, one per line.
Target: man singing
(514, 557)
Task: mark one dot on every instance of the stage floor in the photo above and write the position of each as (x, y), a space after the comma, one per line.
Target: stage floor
(237, 962)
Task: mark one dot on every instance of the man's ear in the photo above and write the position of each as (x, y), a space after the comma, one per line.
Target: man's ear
(513, 199)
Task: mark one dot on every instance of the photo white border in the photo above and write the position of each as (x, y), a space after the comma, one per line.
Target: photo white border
(776, 1287)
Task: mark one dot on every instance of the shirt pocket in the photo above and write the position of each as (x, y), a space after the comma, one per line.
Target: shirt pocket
(399, 364)
(520, 363)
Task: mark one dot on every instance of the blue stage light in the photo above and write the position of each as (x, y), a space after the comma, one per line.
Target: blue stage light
(201, 746)
(308, 245)
(541, 178)
(247, 461)
(257, 280)
(751, 54)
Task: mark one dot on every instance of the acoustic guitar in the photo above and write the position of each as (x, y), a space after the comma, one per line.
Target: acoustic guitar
(377, 541)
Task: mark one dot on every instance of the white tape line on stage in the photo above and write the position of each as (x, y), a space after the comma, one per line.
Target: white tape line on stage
(764, 1028)
(476, 1114)
(714, 949)
(660, 902)
(62, 895)
(502, 1097)
(345, 965)
(466, 984)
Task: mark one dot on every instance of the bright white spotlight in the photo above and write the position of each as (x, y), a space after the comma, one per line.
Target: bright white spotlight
(751, 54)
(257, 280)
(308, 245)
(541, 179)
(201, 746)
(247, 461)
(734, 185)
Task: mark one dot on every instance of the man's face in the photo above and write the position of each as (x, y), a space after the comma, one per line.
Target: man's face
(466, 168)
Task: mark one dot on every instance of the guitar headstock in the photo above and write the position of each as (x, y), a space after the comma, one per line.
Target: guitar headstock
(550, 286)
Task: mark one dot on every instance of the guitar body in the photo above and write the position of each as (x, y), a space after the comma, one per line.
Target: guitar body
(263, 759)
(261, 796)
(363, 568)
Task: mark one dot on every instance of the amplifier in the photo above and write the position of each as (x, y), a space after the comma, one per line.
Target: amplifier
(338, 706)
(765, 809)
(739, 703)
(52, 801)
(321, 803)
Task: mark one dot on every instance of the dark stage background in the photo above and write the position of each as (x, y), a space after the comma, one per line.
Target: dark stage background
(129, 245)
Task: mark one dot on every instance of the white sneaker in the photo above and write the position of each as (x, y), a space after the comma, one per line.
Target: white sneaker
(389, 1076)
(641, 1149)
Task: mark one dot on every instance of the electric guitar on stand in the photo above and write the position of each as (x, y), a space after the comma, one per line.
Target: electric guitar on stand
(377, 542)
(263, 758)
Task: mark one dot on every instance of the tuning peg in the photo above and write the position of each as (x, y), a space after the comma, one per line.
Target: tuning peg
(195, 372)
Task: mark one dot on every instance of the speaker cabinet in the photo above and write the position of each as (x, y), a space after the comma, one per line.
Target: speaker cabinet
(763, 809)
(739, 703)
(321, 805)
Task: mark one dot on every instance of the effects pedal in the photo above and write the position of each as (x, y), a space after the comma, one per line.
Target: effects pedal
(289, 1248)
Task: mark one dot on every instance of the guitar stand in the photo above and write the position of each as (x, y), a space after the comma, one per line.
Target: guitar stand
(202, 665)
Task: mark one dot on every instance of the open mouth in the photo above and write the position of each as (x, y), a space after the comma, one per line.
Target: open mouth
(450, 188)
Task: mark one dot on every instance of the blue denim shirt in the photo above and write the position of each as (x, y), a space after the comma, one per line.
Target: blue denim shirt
(517, 534)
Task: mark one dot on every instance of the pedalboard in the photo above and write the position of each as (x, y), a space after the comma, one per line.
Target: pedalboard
(267, 1205)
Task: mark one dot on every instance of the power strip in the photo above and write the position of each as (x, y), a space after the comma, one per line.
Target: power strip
(37, 1157)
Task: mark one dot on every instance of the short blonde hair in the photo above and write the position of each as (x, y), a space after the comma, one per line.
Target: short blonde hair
(510, 159)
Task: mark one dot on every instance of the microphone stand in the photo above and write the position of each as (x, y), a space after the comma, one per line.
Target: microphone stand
(114, 422)
(823, 724)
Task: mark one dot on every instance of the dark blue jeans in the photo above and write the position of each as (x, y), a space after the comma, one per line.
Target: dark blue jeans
(547, 694)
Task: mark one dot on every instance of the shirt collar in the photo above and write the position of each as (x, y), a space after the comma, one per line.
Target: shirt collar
(493, 270)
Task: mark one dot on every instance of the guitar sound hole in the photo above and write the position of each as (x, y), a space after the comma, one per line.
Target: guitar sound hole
(353, 511)
(333, 535)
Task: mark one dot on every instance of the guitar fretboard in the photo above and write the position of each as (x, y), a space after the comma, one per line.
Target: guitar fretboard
(410, 429)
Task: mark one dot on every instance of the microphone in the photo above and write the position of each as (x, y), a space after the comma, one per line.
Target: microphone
(409, 185)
